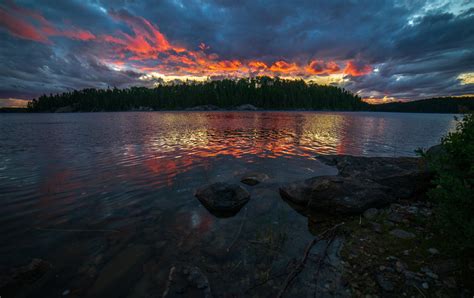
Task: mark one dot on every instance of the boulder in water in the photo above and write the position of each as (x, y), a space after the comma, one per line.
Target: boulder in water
(337, 195)
(223, 199)
(253, 178)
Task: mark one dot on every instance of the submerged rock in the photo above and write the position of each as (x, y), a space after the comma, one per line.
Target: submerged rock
(336, 195)
(19, 279)
(362, 183)
(253, 178)
(405, 176)
(223, 199)
(370, 213)
(187, 281)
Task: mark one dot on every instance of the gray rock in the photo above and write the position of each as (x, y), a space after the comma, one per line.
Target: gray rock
(427, 271)
(385, 284)
(362, 183)
(396, 217)
(223, 199)
(377, 227)
(197, 278)
(253, 178)
(336, 194)
(425, 285)
(246, 107)
(433, 251)
(204, 108)
(187, 281)
(404, 176)
(399, 266)
(370, 213)
(402, 234)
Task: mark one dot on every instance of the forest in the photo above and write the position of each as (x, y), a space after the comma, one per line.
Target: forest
(431, 105)
(262, 92)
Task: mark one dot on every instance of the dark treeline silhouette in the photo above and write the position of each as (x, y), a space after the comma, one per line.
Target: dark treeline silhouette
(432, 105)
(262, 92)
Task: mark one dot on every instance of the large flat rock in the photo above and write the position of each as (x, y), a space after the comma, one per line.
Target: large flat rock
(362, 183)
(336, 194)
(405, 176)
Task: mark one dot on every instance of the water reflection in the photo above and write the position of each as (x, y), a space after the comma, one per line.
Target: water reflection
(136, 172)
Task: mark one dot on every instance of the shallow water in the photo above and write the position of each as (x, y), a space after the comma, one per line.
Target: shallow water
(78, 189)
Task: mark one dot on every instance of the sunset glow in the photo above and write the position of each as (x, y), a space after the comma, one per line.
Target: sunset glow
(136, 47)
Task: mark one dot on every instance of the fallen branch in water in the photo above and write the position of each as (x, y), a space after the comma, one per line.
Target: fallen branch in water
(76, 230)
(240, 231)
(300, 266)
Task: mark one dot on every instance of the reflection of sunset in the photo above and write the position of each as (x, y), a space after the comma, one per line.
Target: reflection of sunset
(201, 136)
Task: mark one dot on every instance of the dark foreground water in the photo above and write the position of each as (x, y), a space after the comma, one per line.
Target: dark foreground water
(107, 198)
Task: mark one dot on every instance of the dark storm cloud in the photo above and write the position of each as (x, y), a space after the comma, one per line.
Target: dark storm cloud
(403, 49)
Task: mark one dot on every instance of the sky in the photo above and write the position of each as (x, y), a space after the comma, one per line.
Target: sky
(380, 50)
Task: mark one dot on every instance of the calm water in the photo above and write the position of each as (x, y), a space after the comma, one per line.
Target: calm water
(76, 189)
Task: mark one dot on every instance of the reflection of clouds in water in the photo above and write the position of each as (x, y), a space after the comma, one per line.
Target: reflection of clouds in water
(110, 169)
(266, 135)
(178, 142)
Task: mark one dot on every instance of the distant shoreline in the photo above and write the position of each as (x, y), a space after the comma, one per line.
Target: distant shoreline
(26, 111)
(451, 105)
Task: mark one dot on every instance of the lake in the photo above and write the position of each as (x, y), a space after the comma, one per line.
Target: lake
(83, 190)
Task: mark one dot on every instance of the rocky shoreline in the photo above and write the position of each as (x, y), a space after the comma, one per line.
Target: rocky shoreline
(388, 245)
(382, 243)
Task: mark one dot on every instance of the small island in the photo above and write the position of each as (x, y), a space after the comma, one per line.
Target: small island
(262, 93)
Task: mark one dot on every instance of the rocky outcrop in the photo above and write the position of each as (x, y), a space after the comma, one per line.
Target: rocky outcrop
(223, 199)
(362, 183)
(204, 108)
(246, 107)
(253, 178)
(405, 176)
(336, 194)
(187, 281)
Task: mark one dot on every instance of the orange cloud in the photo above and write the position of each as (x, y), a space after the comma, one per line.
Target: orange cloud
(28, 24)
(144, 47)
(79, 34)
(284, 67)
(356, 69)
(226, 66)
(316, 67)
(257, 66)
(20, 28)
(147, 42)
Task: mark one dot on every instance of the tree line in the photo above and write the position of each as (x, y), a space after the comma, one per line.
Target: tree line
(262, 92)
(431, 105)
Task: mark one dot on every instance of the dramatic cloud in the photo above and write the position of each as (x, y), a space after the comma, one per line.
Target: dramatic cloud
(382, 50)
